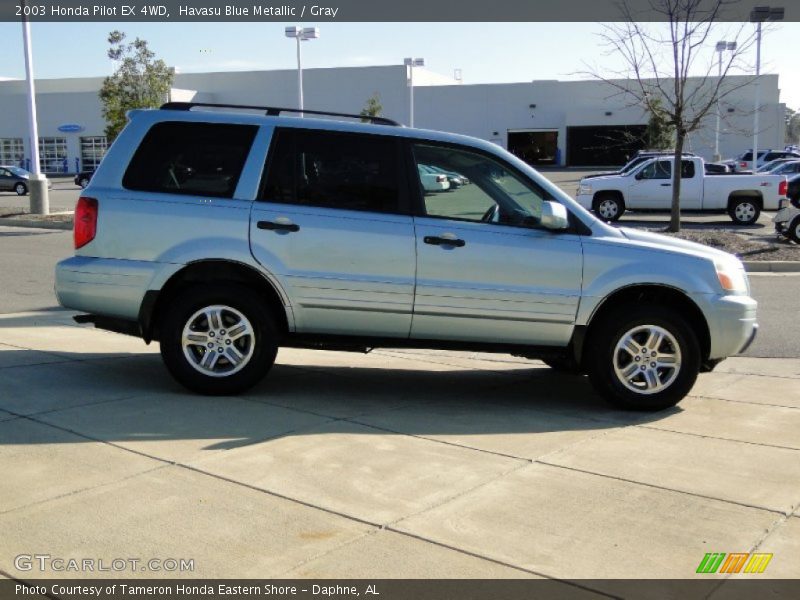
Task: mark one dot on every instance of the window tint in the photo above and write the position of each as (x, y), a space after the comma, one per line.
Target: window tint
(334, 170)
(461, 184)
(660, 169)
(203, 159)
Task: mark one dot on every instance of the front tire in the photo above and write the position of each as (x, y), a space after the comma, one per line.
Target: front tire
(794, 230)
(218, 341)
(608, 207)
(21, 189)
(744, 211)
(643, 358)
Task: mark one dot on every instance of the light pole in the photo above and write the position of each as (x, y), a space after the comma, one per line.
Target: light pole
(758, 15)
(301, 35)
(410, 63)
(37, 183)
(721, 47)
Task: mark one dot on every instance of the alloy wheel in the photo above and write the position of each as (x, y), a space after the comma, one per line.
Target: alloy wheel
(647, 359)
(218, 341)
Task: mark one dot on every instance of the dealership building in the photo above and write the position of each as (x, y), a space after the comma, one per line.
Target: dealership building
(571, 123)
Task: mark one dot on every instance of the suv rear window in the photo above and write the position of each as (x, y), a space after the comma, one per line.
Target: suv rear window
(334, 170)
(199, 159)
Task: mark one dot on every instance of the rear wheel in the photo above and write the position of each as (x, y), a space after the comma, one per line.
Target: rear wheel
(218, 341)
(608, 207)
(83, 182)
(21, 189)
(794, 230)
(643, 358)
(744, 211)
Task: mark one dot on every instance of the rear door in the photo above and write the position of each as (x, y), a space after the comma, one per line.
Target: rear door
(486, 271)
(332, 223)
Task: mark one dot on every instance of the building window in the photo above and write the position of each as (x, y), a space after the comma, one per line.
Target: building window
(12, 152)
(92, 150)
(53, 154)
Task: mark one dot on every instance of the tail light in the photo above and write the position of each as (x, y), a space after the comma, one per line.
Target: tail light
(85, 227)
(783, 187)
(743, 164)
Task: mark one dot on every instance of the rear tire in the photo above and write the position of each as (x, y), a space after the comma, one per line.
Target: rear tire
(744, 211)
(794, 230)
(219, 340)
(83, 182)
(643, 358)
(21, 189)
(609, 207)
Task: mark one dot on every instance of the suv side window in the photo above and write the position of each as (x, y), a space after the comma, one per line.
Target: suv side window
(199, 159)
(334, 170)
(457, 183)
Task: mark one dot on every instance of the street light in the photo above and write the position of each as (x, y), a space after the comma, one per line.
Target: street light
(410, 63)
(758, 15)
(301, 35)
(721, 47)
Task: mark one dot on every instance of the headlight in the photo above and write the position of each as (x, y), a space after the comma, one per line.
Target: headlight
(584, 188)
(732, 276)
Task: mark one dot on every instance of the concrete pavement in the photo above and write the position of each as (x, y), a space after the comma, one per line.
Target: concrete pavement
(397, 463)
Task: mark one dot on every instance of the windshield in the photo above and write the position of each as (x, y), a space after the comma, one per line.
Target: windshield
(18, 172)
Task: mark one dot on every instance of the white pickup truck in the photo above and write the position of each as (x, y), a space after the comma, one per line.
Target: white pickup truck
(649, 187)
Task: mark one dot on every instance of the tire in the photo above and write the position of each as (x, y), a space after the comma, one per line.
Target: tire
(609, 207)
(233, 306)
(562, 364)
(648, 388)
(83, 182)
(744, 211)
(793, 232)
(21, 189)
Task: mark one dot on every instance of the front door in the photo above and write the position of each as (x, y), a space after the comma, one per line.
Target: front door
(330, 226)
(486, 270)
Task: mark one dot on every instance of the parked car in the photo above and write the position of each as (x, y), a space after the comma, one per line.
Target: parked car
(649, 187)
(432, 181)
(455, 179)
(184, 236)
(793, 190)
(785, 167)
(15, 179)
(83, 178)
(744, 162)
(787, 220)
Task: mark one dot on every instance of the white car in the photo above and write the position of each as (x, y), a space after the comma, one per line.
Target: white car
(432, 181)
(649, 187)
(744, 162)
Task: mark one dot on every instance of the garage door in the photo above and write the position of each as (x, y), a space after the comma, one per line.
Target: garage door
(603, 145)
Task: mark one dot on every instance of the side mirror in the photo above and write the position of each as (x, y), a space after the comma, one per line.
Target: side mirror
(638, 175)
(554, 216)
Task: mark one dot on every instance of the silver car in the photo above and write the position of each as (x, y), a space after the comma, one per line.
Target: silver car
(225, 234)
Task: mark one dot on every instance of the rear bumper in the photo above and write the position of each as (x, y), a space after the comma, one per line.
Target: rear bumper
(102, 286)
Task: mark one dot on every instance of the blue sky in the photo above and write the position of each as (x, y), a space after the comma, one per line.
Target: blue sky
(485, 52)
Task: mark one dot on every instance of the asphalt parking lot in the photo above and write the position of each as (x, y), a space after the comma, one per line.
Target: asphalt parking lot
(392, 464)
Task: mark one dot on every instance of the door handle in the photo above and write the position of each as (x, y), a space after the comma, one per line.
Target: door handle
(441, 241)
(666, 184)
(273, 226)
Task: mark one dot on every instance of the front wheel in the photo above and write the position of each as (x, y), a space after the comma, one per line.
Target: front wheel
(744, 211)
(218, 341)
(643, 359)
(608, 207)
(794, 230)
(21, 189)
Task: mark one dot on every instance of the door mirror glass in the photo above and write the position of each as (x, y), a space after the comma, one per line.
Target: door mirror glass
(554, 216)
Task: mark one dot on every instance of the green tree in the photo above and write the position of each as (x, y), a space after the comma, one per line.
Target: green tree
(139, 81)
(373, 107)
(660, 132)
(792, 126)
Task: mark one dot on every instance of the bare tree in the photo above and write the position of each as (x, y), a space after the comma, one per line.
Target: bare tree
(659, 58)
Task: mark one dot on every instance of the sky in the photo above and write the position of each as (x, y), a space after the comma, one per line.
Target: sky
(484, 52)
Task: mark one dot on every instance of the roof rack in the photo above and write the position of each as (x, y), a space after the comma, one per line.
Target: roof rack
(274, 111)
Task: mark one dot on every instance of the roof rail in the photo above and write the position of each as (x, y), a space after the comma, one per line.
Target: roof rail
(274, 111)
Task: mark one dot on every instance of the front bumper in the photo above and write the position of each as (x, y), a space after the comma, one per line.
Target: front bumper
(732, 324)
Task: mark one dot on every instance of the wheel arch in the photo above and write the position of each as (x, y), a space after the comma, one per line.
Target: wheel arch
(208, 271)
(750, 194)
(646, 293)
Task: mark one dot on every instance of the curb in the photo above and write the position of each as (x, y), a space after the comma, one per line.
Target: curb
(33, 223)
(772, 266)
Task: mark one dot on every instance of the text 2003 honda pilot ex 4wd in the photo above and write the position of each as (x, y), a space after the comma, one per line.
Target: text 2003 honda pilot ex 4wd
(224, 234)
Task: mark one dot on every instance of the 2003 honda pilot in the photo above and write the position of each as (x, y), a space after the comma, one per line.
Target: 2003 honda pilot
(223, 234)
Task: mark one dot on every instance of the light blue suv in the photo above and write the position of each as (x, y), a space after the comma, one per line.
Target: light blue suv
(225, 234)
